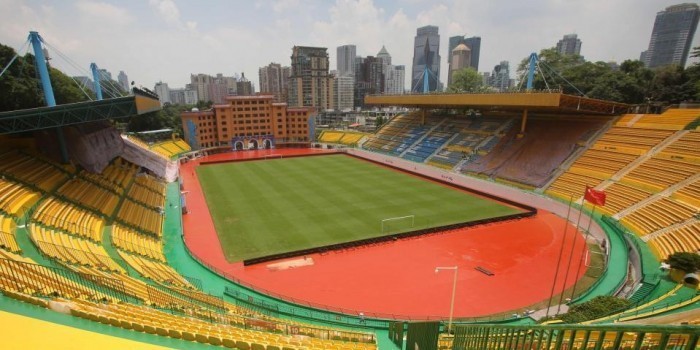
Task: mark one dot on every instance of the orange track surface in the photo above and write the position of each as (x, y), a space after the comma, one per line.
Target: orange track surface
(398, 278)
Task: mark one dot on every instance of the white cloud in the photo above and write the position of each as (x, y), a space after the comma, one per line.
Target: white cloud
(167, 10)
(104, 13)
(284, 5)
(169, 39)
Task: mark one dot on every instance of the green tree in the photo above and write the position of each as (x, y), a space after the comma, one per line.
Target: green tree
(597, 307)
(21, 89)
(466, 80)
(684, 261)
(166, 118)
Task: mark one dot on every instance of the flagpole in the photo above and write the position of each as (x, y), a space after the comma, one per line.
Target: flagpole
(561, 251)
(583, 252)
(571, 253)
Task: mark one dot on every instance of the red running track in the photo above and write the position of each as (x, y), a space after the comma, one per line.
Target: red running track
(398, 278)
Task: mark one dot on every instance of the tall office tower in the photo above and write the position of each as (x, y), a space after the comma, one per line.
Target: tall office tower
(460, 58)
(345, 59)
(672, 36)
(569, 45)
(284, 82)
(369, 78)
(500, 77)
(123, 80)
(426, 60)
(161, 89)
(384, 56)
(474, 45)
(310, 84)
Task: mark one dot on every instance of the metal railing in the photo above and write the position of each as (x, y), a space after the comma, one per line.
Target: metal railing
(52, 281)
(575, 337)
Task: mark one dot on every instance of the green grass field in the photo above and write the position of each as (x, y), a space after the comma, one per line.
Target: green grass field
(268, 207)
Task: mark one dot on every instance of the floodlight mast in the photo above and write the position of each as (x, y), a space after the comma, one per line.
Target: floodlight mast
(454, 289)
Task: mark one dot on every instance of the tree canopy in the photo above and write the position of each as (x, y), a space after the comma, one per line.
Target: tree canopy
(21, 89)
(630, 82)
(466, 80)
(684, 261)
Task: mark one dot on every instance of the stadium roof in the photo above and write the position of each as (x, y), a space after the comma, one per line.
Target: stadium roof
(76, 113)
(533, 102)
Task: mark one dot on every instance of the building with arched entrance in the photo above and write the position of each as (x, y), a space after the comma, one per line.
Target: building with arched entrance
(247, 122)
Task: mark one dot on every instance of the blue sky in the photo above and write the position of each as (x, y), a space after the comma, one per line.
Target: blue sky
(154, 40)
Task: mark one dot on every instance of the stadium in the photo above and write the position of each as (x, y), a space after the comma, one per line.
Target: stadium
(470, 221)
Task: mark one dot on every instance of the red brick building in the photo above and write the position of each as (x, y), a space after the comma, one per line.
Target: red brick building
(246, 122)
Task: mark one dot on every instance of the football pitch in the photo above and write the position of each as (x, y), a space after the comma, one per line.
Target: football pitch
(266, 207)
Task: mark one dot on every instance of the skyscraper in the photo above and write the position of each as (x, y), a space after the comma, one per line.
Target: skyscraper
(460, 58)
(394, 77)
(270, 79)
(369, 78)
(344, 85)
(123, 80)
(310, 84)
(474, 45)
(569, 45)
(345, 59)
(672, 36)
(384, 56)
(500, 78)
(426, 60)
(161, 89)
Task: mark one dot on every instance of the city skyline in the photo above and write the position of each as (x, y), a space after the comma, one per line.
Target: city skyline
(174, 34)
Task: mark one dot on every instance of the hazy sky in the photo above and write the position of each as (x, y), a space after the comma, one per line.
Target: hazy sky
(153, 40)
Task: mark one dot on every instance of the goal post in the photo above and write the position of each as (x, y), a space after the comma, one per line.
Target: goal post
(386, 223)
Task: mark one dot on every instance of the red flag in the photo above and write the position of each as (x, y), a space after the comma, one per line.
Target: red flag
(595, 197)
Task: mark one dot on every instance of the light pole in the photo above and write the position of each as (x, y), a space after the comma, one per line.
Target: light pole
(454, 288)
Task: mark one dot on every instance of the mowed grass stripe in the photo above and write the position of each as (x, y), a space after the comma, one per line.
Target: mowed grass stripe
(269, 207)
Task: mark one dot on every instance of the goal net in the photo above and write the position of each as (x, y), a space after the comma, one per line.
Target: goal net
(398, 224)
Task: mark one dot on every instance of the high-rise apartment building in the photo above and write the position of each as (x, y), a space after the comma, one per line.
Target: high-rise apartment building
(211, 88)
(394, 78)
(310, 84)
(344, 87)
(345, 59)
(460, 58)
(672, 36)
(273, 80)
(123, 80)
(426, 60)
(569, 45)
(161, 89)
(183, 97)
(245, 122)
(474, 45)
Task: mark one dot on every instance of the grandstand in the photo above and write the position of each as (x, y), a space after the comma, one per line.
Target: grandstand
(105, 248)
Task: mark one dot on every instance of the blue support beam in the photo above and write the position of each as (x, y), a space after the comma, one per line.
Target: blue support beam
(41, 67)
(96, 79)
(531, 71)
(40, 63)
